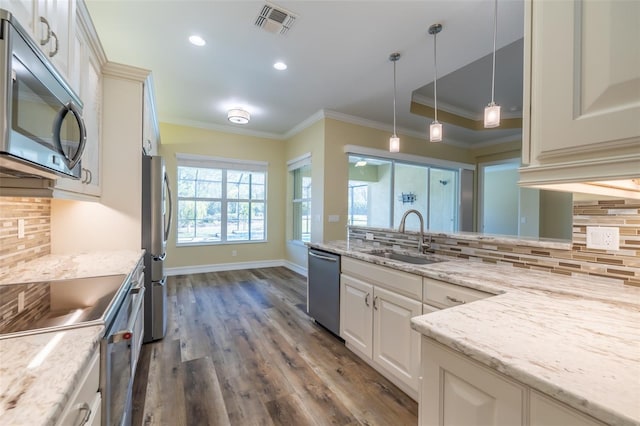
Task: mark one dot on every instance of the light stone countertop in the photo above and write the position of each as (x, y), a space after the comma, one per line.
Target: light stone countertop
(575, 338)
(37, 396)
(67, 266)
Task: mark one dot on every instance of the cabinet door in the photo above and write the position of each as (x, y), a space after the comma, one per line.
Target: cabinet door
(396, 347)
(356, 317)
(24, 11)
(60, 17)
(456, 390)
(545, 411)
(91, 93)
(585, 80)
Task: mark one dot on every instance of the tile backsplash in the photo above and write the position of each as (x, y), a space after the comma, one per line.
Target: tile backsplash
(36, 213)
(622, 265)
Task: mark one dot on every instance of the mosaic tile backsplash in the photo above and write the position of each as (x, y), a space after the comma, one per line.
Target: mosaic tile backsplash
(36, 243)
(622, 265)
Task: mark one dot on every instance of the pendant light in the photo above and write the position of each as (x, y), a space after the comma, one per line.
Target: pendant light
(435, 130)
(394, 141)
(492, 111)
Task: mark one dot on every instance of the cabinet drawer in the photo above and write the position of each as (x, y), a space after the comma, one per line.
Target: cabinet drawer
(398, 281)
(446, 295)
(82, 404)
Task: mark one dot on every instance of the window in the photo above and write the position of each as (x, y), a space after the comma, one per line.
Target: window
(381, 190)
(300, 173)
(220, 200)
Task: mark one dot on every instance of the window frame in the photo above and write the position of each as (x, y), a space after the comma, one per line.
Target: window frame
(225, 165)
(294, 166)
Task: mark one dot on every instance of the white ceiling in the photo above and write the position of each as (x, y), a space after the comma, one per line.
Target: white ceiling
(337, 53)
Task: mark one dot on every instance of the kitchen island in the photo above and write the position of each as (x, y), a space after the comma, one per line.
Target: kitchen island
(574, 338)
(39, 373)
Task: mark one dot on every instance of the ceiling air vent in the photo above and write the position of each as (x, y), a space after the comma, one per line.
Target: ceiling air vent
(275, 19)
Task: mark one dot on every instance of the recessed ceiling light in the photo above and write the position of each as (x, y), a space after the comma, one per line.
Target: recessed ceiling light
(196, 40)
(280, 66)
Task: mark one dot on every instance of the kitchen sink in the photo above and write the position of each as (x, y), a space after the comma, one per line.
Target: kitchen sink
(404, 257)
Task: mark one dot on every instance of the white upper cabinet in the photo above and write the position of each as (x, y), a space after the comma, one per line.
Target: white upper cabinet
(582, 85)
(150, 130)
(24, 11)
(51, 24)
(55, 27)
(85, 76)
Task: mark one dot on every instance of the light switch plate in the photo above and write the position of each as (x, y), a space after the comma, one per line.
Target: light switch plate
(603, 238)
(334, 218)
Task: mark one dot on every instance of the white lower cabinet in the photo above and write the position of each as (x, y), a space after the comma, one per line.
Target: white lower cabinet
(396, 347)
(376, 322)
(456, 390)
(356, 316)
(84, 406)
(545, 411)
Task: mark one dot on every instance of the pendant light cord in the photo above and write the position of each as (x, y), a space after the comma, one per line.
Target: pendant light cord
(435, 78)
(495, 32)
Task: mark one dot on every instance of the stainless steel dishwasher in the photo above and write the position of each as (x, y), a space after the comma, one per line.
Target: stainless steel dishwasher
(323, 290)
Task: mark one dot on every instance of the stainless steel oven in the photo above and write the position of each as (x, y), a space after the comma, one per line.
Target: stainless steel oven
(120, 349)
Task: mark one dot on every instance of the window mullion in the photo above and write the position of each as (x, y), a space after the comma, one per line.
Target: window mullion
(224, 207)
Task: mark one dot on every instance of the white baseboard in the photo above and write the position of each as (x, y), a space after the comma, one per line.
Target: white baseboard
(218, 267)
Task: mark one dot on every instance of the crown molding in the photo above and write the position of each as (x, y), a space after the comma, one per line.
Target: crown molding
(224, 128)
(114, 69)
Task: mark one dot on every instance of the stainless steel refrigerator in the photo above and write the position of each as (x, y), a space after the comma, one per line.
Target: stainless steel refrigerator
(156, 222)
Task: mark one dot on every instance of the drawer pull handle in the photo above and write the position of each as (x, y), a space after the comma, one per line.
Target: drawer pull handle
(375, 303)
(454, 300)
(85, 419)
(366, 299)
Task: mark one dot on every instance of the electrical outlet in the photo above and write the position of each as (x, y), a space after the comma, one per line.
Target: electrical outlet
(334, 218)
(234, 252)
(21, 301)
(603, 238)
(20, 228)
(368, 236)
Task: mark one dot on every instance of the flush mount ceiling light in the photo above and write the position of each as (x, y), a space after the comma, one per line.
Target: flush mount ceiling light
(435, 130)
(492, 111)
(196, 40)
(238, 116)
(394, 141)
(280, 66)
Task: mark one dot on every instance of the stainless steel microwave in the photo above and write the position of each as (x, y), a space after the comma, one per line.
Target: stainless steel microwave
(42, 131)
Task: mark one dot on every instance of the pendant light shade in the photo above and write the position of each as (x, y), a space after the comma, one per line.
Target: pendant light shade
(435, 130)
(394, 141)
(492, 111)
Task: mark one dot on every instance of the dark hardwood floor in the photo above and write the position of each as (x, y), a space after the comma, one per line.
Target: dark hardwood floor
(241, 350)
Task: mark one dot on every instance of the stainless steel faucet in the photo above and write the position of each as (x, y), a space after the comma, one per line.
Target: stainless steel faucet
(401, 227)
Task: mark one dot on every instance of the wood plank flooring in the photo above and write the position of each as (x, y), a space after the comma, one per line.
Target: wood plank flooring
(241, 350)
